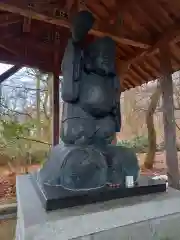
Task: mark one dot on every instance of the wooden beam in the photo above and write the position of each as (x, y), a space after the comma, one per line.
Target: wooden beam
(104, 27)
(168, 116)
(11, 31)
(26, 62)
(26, 25)
(33, 46)
(7, 49)
(32, 43)
(9, 73)
(23, 10)
(128, 84)
(171, 33)
(8, 18)
(33, 57)
(116, 11)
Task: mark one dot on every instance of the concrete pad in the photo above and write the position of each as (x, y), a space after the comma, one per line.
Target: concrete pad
(147, 217)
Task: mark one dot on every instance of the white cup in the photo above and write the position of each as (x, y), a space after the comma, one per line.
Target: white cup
(129, 181)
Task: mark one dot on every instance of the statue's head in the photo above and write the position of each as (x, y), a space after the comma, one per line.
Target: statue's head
(81, 24)
(100, 56)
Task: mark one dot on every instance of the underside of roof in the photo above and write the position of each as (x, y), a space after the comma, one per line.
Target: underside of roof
(34, 33)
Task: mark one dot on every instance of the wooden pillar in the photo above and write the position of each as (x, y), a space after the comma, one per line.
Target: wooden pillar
(168, 116)
(55, 95)
(56, 105)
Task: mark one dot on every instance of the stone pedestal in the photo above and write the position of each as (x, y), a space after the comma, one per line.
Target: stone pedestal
(150, 217)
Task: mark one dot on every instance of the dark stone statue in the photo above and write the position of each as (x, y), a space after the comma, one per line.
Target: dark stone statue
(85, 159)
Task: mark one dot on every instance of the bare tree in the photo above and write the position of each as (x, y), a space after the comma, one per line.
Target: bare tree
(26, 101)
(149, 160)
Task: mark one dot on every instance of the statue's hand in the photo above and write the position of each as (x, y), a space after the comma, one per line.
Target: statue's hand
(81, 24)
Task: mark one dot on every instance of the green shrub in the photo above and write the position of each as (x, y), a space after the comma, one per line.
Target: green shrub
(138, 143)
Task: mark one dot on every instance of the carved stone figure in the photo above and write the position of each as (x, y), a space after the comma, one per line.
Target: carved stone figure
(86, 160)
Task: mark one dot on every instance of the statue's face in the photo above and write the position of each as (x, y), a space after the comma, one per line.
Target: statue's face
(102, 55)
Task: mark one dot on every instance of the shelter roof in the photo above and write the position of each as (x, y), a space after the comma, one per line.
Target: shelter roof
(34, 33)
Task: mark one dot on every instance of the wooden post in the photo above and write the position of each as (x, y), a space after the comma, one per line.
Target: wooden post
(55, 110)
(55, 95)
(168, 116)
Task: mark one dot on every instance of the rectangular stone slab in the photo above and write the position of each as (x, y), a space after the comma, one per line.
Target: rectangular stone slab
(53, 198)
(138, 218)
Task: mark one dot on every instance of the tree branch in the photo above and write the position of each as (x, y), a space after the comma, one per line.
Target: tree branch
(25, 88)
(13, 111)
(177, 126)
(33, 140)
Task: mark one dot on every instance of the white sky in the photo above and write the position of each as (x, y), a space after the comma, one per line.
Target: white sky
(4, 67)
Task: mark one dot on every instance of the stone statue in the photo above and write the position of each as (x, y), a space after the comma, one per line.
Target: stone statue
(86, 160)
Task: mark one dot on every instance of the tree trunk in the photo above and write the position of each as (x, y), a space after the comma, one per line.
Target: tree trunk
(47, 105)
(38, 110)
(149, 160)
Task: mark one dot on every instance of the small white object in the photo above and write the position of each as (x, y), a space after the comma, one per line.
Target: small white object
(160, 177)
(129, 181)
(166, 186)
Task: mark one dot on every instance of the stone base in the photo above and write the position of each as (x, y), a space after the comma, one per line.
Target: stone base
(150, 217)
(53, 198)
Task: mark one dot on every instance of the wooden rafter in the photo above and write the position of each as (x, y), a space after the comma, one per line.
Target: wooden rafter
(30, 42)
(3, 46)
(8, 18)
(117, 9)
(9, 73)
(10, 31)
(26, 25)
(27, 62)
(171, 33)
(22, 9)
(27, 44)
(33, 43)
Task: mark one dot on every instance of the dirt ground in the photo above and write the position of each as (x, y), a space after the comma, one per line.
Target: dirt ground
(8, 182)
(7, 229)
(7, 195)
(159, 166)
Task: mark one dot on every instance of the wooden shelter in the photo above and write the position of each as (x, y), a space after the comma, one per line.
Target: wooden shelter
(34, 33)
